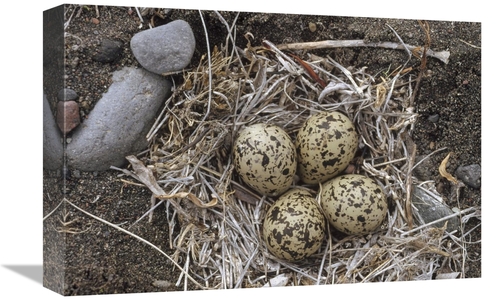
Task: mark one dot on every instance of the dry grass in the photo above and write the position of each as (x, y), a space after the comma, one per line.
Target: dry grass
(188, 167)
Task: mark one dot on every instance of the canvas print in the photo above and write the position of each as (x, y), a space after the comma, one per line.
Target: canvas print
(210, 150)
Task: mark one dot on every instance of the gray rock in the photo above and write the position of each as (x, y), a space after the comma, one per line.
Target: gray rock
(119, 122)
(52, 142)
(165, 48)
(430, 207)
(470, 175)
(67, 95)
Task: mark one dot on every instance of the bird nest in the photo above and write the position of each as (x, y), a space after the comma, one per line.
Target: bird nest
(215, 220)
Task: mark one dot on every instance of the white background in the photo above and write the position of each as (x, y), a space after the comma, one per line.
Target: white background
(21, 156)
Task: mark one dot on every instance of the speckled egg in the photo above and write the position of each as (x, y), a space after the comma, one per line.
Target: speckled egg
(326, 143)
(353, 204)
(265, 158)
(294, 226)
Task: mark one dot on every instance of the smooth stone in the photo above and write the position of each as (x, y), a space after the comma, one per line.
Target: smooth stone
(430, 209)
(470, 175)
(52, 143)
(119, 122)
(68, 115)
(165, 48)
(67, 94)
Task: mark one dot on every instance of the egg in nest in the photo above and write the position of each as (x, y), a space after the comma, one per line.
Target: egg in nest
(353, 204)
(326, 143)
(265, 158)
(294, 226)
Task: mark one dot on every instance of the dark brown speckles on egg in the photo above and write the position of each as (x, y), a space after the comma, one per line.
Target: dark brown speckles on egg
(326, 143)
(294, 226)
(353, 204)
(265, 158)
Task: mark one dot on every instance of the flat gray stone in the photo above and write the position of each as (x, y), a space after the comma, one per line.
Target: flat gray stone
(430, 209)
(52, 140)
(165, 48)
(119, 122)
(470, 175)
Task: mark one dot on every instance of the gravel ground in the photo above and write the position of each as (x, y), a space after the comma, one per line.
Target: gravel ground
(101, 260)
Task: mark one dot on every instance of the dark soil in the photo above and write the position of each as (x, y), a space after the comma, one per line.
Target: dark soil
(98, 259)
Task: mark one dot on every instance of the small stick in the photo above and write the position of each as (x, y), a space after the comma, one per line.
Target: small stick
(409, 181)
(441, 55)
(209, 69)
(309, 70)
(139, 15)
(48, 215)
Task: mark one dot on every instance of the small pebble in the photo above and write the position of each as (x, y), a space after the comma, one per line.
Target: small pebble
(76, 174)
(163, 284)
(74, 62)
(312, 26)
(433, 118)
(68, 116)
(470, 175)
(85, 104)
(67, 94)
